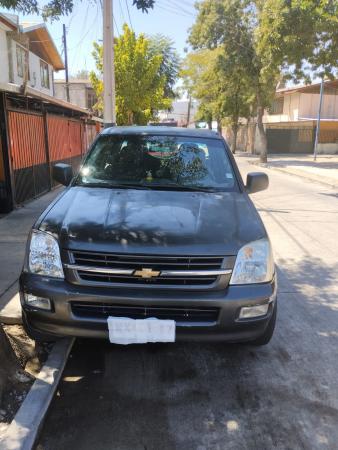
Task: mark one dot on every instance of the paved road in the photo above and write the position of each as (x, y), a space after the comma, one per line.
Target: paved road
(190, 396)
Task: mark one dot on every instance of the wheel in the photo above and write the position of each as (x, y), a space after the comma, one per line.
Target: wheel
(34, 334)
(266, 337)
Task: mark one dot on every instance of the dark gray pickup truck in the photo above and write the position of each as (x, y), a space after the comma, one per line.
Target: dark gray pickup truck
(154, 240)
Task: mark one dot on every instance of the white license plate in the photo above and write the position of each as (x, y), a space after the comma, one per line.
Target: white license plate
(123, 330)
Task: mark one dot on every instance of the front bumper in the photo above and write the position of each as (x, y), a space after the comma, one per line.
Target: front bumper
(61, 321)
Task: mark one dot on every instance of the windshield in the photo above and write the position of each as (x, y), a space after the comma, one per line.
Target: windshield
(158, 162)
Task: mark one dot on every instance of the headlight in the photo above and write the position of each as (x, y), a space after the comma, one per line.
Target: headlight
(254, 263)
(44, 255)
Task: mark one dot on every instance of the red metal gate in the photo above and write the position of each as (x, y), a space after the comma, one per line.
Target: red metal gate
(3, 191)
(65, 140)
(35, 145)
(28, 155)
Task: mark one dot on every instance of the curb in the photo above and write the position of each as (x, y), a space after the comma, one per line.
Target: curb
(10, 306)
(295, 174)
(24, 428)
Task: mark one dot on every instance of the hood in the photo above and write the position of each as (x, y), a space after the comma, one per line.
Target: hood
(153, 222)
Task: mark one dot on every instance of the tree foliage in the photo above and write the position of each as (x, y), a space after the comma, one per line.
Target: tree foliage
(224, 94)
(230, 26)
(53, 9)
(265, 40)
(139, 82)
(144, 5)
(170, 65)
(300, 37)
(82, 74)
(197, 73)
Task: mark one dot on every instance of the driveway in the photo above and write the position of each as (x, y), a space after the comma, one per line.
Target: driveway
(202, 396)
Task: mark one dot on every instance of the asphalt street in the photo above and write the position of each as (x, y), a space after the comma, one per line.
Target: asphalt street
(203, 396)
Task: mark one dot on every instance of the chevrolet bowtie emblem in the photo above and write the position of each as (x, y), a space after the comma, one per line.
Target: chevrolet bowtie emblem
(147, 273)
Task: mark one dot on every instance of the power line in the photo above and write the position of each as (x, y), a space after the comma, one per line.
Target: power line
(175, 4)
(80, 42)
(117, 29)
(85, 23)
(168, 9)
(123, 17)
(131, 25)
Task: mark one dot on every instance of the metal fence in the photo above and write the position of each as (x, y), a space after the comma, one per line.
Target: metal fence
(28, 155)
(290, 140)
(38, 141)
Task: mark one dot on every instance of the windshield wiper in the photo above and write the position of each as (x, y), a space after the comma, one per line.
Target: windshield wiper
(169, 186)
(114, 185)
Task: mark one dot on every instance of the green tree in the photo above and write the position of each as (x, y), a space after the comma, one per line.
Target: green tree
(301, 35)
(230, 26)
(196, 70)
(224, 94)
(139, 82)
(56, 8)
(162, 45)
(268, 40)
(236, 95)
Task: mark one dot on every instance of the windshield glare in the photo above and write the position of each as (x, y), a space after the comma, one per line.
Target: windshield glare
(155, 161)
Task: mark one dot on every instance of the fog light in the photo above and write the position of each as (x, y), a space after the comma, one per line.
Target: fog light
(249, 312)
(37, 302)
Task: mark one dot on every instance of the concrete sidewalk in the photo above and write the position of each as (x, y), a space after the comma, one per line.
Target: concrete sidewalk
(323, 170)
(14, 229)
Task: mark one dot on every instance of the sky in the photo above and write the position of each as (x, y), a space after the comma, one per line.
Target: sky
(172, 18)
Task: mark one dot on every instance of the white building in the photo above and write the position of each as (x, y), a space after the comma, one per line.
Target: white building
(28, 55)
(81, 92)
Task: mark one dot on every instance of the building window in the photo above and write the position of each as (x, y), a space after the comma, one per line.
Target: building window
(21, 60)
(277, 106)
(91, 99)
(44, 73)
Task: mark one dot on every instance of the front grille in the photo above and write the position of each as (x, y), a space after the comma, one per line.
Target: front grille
(102, 278)
(179, 314)
(97, 268)
(155, 262)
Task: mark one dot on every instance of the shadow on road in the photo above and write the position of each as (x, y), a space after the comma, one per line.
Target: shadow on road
(199, 396)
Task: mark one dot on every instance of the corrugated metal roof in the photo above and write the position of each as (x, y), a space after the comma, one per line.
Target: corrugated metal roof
(313, 88)
(31, 92)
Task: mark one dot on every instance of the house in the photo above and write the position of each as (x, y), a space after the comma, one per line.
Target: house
(81, 93)
(37, 130)
(301, 103)
(291, 121)
(28, 54)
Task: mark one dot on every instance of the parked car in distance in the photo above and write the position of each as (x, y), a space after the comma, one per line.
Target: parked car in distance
(154, 240)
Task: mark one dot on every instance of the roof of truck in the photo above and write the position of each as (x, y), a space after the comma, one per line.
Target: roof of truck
(162, 131)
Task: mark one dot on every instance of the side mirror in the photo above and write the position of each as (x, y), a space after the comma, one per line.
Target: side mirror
(62, 173)
(256, 181)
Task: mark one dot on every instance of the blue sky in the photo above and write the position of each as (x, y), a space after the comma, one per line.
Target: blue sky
(172, 18)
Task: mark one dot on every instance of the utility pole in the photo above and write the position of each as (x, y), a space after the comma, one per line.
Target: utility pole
(66, 61)
(109, 111)
(318, 118)
(189, 109)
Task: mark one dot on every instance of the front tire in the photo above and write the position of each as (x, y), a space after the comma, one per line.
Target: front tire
(268, 333)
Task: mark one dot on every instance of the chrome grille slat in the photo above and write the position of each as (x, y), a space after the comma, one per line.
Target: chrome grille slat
(142, 263)
(104, 268)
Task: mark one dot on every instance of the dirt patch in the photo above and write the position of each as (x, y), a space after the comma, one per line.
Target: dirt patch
(28, 357)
